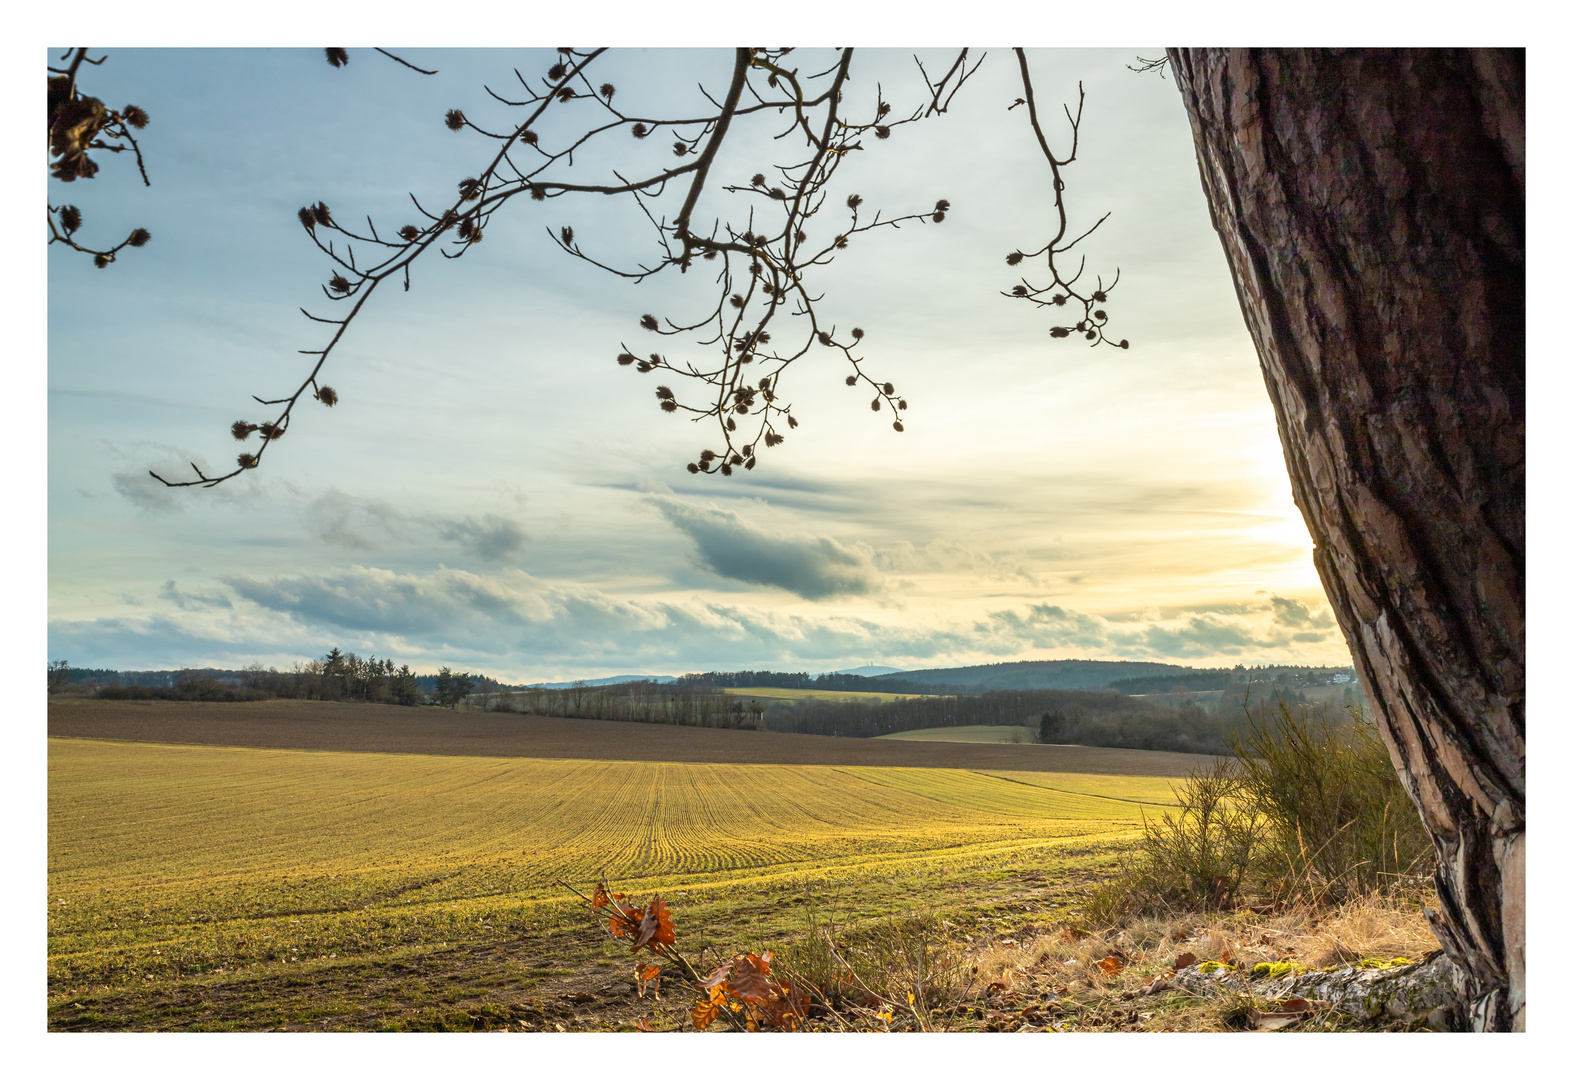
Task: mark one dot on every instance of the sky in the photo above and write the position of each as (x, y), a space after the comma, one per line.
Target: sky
(495, 493)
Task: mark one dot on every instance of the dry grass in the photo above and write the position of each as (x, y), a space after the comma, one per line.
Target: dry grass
(1060, 972)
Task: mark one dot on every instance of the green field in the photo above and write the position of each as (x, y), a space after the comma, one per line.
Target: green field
(778, 693)
(183, 873)
(975, 733)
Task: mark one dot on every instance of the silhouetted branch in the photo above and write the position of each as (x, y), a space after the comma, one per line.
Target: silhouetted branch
(1060, 290)
(760, 271)
(77, 124)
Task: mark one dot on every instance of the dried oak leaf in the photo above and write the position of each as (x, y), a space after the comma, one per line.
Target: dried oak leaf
(707, 1008)
(1184, 960)
(656, 925)
(1111, 965)
(750, 979)
(716, 977)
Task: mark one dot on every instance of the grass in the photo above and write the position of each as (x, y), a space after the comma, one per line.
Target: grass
(219, 866)
(978, 733)
(781, 693)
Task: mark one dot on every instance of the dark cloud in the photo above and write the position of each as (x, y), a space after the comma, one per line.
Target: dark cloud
(815, 568)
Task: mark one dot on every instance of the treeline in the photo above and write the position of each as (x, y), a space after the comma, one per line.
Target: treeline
(690, 705)
(1089, 717)
(1193, 679)
(1024, 708)
(1189, 729)
(802, 680)
(337, 676)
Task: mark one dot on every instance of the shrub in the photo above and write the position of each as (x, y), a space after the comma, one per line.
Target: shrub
(1200, 859)
(1308, 810)
(1343, 823)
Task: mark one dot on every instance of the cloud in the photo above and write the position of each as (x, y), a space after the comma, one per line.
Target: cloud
(1257, 630)
(350, 522)
(144, 492)
(512, 624)
(192, 601)
(491, 539)
(1296, 614)
(815, 568)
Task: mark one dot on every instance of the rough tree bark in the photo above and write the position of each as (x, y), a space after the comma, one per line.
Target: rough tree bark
(1371, 205)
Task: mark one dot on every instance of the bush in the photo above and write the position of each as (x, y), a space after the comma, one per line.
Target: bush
(1308, 810)
(1343, 823)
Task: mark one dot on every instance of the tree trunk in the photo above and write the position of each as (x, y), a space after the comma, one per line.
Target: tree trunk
(1371, 206)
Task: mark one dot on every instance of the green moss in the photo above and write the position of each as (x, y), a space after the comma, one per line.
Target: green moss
(1275, 970)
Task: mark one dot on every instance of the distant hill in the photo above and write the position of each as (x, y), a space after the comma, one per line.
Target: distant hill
(1046, 674)
(611, 681)
(868, 671)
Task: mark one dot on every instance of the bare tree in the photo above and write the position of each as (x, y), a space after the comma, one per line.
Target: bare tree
(1371, 205)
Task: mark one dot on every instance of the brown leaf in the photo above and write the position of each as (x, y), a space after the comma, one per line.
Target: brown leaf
(750, 978)
(600, 900)
(708, 1008)
(1157, 986)
(1294, 1005)
(655, 925)
(1111, 965)
(1184, 960)
(1274, 1021)
(1071, 933)
(643, 1025)
(625, 920)
(718, 976)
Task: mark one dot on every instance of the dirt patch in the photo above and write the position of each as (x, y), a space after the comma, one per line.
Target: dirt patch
(313, 725)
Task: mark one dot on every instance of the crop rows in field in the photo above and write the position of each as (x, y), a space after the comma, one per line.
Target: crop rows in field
(208, 853)
(1075, 800)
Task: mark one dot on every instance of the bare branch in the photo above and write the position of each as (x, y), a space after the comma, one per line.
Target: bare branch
(1060, 291)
